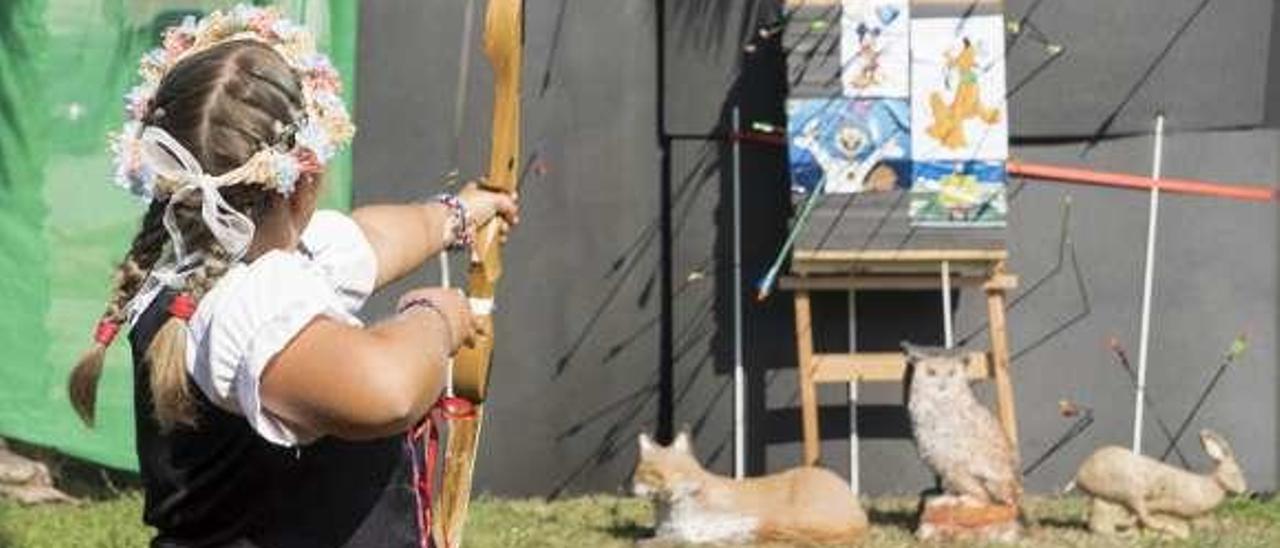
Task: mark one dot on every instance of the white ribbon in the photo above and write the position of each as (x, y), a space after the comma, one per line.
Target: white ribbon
(172, 161)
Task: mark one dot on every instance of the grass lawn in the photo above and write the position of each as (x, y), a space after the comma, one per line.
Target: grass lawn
(611, 521)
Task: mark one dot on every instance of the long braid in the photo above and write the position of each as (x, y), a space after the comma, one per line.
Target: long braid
(129, 275)
(223, 105)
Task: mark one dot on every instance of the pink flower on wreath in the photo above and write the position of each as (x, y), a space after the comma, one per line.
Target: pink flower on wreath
(180, 38)
(320, 74)
(307, 160)
(325, 81)
(175, 43)
(262, 22)
(131, 173)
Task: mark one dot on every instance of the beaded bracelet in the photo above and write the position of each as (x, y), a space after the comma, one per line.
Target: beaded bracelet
(457, 226)
(430, 305)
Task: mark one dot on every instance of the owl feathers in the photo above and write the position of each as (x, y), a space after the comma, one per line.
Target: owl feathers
(956, 435)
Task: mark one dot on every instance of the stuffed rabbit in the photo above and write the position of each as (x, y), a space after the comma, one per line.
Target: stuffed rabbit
(1130, 489)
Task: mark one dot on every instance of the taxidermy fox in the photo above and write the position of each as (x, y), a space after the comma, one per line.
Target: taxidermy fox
(802, 505)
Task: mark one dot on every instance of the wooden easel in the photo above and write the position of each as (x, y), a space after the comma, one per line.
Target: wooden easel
(914, 269)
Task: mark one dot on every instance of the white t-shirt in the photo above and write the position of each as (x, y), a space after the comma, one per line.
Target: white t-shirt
(256, 309)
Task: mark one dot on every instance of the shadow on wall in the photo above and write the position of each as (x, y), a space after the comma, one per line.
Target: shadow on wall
(704, 27)
(759, 91)
(884, 318)
(701, 26)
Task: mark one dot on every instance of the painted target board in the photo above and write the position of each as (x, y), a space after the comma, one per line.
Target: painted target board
(915, 103)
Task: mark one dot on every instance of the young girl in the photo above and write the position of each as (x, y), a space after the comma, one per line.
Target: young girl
(266, 413)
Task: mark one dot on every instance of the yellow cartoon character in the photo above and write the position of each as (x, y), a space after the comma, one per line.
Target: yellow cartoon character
(958, 194)
(948, 119)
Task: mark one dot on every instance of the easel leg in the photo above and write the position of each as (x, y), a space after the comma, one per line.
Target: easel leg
(1000, 357)
(808, 389)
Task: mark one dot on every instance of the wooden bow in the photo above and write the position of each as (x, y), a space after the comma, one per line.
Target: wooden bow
(503, 46)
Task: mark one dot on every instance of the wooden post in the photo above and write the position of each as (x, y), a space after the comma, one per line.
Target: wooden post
(808, 388)
(1000, 356)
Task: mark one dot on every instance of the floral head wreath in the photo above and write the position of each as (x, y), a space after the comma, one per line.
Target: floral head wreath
(151, 164)
(324, 129)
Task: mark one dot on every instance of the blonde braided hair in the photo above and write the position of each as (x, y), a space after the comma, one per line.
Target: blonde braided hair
(223, 105)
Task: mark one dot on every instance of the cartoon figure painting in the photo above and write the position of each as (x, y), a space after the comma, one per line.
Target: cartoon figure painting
(958, 194)
(848, 145)
(958, 86)
(874, 46)
(868, 55)
(949, 118)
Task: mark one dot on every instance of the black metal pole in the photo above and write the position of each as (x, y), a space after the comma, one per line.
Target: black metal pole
(666, 361)
(1195, 409)
(1148, 403)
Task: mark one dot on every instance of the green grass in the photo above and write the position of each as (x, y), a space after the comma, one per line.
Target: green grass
(116, 522)
(604, 522)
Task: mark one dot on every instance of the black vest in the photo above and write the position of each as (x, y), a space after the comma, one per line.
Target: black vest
(220, 484)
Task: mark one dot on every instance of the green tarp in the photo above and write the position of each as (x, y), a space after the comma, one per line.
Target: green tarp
(64, 67)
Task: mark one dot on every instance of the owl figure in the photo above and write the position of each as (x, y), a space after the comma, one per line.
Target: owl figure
(956, 436)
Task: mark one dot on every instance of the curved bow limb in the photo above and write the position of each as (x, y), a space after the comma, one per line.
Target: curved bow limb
(503, 44)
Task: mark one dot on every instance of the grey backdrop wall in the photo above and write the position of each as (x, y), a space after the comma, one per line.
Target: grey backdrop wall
(621, 103)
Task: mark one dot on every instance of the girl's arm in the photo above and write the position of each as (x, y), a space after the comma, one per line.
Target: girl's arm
(365, 383)
(406, 235)
(403, 236)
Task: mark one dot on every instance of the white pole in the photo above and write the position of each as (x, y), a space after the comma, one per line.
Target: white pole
(948, 332)
(739, 380)
(444, 282)
(1148, 276)
(854, 483)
